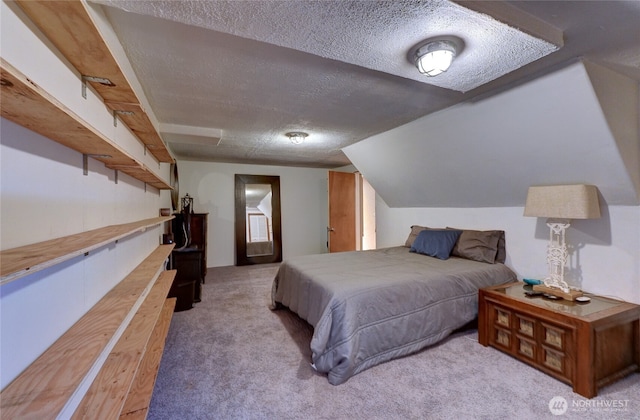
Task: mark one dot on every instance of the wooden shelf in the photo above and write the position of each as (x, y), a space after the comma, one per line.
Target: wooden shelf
(69, 26)
(105, 347)
(18, 262)
(106, 396)
(139, 399)
(30, 106)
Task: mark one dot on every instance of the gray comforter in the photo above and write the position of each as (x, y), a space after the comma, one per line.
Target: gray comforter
(368, 307)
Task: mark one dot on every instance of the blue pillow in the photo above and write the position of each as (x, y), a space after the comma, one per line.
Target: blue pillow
(436, 243)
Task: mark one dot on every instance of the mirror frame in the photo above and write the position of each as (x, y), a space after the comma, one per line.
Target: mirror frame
(241, 180)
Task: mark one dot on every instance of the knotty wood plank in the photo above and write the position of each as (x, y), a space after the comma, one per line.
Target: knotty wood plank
(44, 388)
(137, 404)
(107, 394)
(70, 27)
(18, 262)
(30, 106)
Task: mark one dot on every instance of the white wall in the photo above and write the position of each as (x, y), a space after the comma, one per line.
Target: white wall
(469, 166)
(45, 195)
(486, 153)
(303, 199)
(606, 261)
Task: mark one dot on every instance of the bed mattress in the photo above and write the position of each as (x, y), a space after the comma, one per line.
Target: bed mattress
(368, 307)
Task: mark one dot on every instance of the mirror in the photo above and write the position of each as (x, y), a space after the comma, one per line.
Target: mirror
(258, 236)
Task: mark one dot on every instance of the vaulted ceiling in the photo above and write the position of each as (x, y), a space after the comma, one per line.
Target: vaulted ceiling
(227, 79)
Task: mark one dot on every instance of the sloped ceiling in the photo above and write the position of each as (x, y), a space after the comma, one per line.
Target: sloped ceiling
(553, 130)
(251, 71)
(227, 79)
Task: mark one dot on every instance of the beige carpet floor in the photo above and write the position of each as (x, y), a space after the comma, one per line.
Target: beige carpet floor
(230, 357)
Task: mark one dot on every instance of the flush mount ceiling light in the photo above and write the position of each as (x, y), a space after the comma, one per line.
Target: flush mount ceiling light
(433, 57)
(297, 137)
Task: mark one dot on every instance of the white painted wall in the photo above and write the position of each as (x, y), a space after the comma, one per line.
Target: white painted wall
(303, 201)
(469, 166)
(604, 253)
(552, 130)
(45, 195)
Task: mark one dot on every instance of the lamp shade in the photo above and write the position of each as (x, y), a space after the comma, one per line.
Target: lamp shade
(563, 202)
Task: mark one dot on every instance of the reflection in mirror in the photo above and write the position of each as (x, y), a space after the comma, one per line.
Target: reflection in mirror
(258, 223)
(258, 236)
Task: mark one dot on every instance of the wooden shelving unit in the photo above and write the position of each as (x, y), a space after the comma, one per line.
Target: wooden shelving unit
(69, 26)
(30, 106)
(105, 365)
(18, 262)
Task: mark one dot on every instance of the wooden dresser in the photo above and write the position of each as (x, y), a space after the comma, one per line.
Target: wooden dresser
(199, 227)
(190, 262)
(587, 345)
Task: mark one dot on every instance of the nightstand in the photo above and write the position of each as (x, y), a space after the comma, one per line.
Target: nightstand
(587, 345)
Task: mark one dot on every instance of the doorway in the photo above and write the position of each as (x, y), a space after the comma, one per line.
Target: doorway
(351, 224)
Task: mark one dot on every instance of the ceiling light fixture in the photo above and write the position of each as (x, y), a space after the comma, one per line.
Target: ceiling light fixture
(433, 57)
(297, 137)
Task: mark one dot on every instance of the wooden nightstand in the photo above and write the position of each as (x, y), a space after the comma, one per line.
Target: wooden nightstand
(587, 345)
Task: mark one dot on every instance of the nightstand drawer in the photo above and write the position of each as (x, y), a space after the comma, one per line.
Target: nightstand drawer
(527, 348)
(526, 326)
(554, 336)
(502, 338)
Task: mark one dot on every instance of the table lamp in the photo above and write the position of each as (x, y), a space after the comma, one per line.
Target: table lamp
(559, 204)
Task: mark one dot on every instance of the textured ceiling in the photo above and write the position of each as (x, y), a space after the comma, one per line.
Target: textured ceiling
(369, 34)
(227, 79)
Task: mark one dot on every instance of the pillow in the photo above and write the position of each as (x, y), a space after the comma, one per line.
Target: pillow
(501, 256)
(482, 246)
(436, 242)
(415, 230)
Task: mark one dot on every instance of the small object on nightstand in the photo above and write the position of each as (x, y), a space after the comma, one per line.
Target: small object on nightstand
(583, 299)
(550, 296)
(531, 293)
(532, 281)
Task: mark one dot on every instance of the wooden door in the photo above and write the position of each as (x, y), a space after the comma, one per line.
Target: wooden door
(342, 212)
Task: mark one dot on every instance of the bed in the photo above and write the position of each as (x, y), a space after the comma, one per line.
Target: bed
(368, 307)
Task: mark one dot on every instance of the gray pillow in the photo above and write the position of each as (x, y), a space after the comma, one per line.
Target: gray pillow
(479, 245)
(415, 231)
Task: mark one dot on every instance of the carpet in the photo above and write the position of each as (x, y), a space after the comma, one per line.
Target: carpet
(230, 357)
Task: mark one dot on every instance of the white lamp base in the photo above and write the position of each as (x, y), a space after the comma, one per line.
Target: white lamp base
(554, 283)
